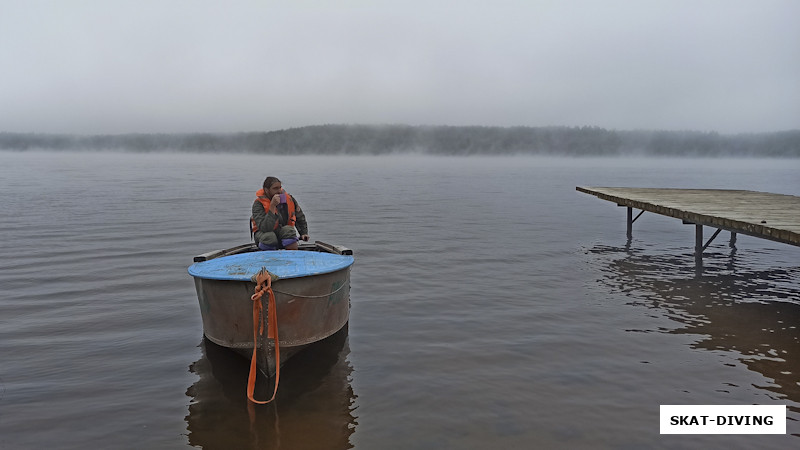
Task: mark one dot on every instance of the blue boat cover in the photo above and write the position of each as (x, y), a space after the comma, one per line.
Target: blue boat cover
(283, 263)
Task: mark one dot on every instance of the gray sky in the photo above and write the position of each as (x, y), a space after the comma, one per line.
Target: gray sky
(105, 66)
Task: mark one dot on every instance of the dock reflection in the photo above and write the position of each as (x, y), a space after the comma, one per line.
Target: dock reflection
(752, 313)
(313, 408)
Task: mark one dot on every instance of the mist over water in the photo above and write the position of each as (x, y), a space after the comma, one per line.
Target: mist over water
(493, 306)
(362, 139)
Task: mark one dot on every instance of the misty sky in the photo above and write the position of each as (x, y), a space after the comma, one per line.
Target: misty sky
(105, 66)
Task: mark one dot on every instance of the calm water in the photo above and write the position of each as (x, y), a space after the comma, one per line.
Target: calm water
(493, 306)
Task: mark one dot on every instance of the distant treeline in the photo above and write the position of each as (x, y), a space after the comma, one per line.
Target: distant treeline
(435, 140)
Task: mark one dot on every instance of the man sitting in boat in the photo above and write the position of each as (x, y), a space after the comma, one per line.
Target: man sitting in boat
(277, 218)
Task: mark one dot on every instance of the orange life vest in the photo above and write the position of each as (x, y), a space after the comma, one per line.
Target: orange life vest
(265, 201)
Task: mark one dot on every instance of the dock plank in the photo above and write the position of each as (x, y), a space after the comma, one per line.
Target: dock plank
(760, 214)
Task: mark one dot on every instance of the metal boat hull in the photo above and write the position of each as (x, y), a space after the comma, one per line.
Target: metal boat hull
(309, 309)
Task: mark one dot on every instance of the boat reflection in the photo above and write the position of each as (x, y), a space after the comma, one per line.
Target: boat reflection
(750, 309)
(313, 408)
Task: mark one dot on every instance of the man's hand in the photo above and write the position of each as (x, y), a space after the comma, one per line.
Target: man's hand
(276, 200)
(304, 237)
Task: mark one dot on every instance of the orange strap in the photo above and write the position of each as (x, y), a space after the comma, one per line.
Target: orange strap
(258, 330)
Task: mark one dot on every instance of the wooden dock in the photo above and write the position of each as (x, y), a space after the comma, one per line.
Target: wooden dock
(760, 214)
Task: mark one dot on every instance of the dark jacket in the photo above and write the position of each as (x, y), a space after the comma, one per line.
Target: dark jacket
(265, 220)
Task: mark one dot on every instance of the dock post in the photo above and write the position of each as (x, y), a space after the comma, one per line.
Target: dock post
(732, 243)
(698, 250)
(630, 222)
(698, 241)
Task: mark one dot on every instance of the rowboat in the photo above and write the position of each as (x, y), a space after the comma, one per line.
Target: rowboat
(310, 290)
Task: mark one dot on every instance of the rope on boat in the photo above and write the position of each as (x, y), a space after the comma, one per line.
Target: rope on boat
(312, 296)
(263, 281)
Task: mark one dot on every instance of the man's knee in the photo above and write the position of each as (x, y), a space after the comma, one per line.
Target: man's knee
(284, 237)
(288, 236)
(287, 232)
